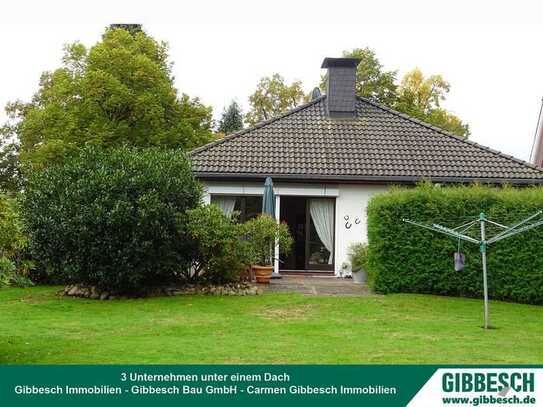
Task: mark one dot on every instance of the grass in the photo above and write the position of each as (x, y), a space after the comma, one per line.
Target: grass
(40, 327)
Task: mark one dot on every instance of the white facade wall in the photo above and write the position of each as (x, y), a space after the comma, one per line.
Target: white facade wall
(351, 204)
(351, 218)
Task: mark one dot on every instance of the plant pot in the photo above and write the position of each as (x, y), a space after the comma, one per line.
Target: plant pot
(360, 277)
(263, 274)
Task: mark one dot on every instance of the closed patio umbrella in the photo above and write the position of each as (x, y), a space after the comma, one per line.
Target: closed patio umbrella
(268, 207)
(268, 199)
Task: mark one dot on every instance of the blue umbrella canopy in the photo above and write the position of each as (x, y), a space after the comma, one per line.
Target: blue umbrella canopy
(268, 199)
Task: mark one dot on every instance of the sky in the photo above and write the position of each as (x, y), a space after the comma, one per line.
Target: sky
(489, 51)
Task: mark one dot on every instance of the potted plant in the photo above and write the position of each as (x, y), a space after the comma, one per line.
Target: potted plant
(262, 233)
(358, 256)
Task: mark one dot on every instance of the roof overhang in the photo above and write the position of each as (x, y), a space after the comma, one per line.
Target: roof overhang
(362, 179)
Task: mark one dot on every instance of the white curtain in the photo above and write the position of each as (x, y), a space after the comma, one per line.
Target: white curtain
(226, 203)
(322, 213)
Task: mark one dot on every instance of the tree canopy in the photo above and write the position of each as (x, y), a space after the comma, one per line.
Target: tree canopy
(273, 97)
(421, 97)
(415, 94)
(372, 82)
(231, 119)
(118, 92)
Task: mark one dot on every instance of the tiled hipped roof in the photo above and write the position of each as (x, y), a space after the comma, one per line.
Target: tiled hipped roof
(380, 144)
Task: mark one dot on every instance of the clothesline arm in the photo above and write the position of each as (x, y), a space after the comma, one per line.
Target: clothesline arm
(512, 232)
(444, 230)
(516, 225)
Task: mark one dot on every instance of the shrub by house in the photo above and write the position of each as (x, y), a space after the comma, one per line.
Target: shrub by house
(405, 258)
(114, 219)
(263, 232)
(220, 253)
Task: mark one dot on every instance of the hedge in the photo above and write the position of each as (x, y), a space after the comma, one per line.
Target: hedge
(407, 258)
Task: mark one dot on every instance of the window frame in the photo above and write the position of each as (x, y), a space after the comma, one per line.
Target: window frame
(243, 203)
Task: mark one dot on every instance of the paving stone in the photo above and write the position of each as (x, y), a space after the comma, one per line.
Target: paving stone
(314, 285)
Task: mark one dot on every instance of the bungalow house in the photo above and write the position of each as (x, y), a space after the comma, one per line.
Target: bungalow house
(328, 157)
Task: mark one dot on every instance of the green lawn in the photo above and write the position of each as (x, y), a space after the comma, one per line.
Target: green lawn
(37, 326)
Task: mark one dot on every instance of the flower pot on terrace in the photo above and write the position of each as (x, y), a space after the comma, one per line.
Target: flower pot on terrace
(263, 274)
(360, 276)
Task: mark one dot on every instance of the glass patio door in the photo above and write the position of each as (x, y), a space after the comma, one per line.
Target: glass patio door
(320, 233)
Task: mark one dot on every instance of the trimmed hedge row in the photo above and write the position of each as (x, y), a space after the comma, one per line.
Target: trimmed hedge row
(407, 258)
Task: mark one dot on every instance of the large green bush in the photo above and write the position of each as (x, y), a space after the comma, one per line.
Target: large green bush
(13, 243)
(113, 218)
(406, 258)
(12, 239)
(221, 254)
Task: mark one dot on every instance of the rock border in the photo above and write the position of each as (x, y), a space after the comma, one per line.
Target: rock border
(232, 289)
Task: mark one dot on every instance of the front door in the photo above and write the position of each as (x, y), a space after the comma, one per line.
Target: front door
(311, 223)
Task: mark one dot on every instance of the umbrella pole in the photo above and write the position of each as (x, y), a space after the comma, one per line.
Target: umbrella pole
(275, 274)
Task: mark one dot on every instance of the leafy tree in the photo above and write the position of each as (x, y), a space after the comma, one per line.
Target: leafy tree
(421, 97)
(14, 262)
(372, 82)
(231, 119)
(273, 97)
(12, 238)
(9, 168)
(447, 121)
(131, 28)
(415, 95)
(118, 92)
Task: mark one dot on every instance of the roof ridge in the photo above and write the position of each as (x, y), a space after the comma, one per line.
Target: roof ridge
(449, 134)
(256, 126)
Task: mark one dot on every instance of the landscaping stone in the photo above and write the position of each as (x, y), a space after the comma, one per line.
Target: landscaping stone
(73, 290)
(232, 289)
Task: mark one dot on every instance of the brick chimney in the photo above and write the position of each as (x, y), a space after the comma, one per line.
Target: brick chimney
(340, 86)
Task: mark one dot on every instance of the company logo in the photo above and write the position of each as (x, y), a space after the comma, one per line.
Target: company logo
(481, 387)
(489, 382)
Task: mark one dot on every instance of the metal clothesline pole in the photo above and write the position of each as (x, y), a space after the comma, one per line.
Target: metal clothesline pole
(483, 242)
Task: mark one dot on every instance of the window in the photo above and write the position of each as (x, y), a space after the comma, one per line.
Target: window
(247, 206)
